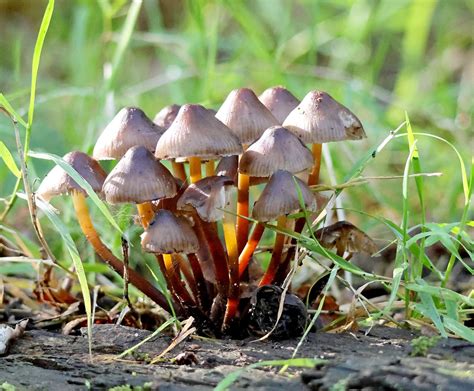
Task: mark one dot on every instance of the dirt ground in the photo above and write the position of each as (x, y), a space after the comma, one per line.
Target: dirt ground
(380, 360)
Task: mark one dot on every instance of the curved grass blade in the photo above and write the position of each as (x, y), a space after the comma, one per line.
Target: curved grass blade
(7, 157)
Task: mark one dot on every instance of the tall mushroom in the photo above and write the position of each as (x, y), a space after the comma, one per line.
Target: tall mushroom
(248, 118)
(320, 119)
(58, 182)
(279, 198)
(139, 178)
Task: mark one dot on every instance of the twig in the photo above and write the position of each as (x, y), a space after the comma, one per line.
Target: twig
(125, 252)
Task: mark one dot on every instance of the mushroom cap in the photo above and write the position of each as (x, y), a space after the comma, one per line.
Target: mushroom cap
(245, 115)
(280, 197)
(279, 101)
(128, 128)
(228, 166)
(138, 177)
(196, 132)
(320, 119)
(58, 182)
(207, 196)
(276, 149)
(346, 235)
(165, 117)
(168, 234)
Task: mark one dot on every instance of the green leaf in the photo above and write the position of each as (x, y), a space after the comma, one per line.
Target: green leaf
(442, 293)
(8, 159)
(459, 329)
(8, 107)
(81, 181)
(225, 383)
(428, 309)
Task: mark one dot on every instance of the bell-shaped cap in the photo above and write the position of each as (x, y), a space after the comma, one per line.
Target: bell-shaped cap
(165, 117)
(346, 236)
(277, 149)
(207, 196)
(168, 234)
(279, 101)
(196, 132)
(280, 197)
(321, 119)
(138, 177)
(58, 182)
(228, 166)
(130, 127)
(245, 115)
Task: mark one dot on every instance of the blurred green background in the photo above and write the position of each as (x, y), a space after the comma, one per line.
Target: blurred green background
(378, 57)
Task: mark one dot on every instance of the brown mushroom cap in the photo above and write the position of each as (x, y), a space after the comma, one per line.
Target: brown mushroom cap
(58, 182)
(196, 132)
(130, 127)
(168, 234)
(165, 117)
(321, 119)
(280, 197)
(347, 236)
(277, 149)
(207, 196)
(279, 101)
(228, 166)
(245, 115)
(138, 177)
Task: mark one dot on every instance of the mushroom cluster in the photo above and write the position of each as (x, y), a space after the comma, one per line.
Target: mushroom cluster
(190, 171)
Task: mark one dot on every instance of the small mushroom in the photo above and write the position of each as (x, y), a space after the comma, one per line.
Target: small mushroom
(279, 101)
(130, 127)
(165, 117)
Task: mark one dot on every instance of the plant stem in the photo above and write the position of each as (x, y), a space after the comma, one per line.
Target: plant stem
(194, 169)
(250, 247)
(178, 285)
(210, 170)
(242, 225)
(106, 255)
(314, 174)
(178, 170)
(276, 254)
(232, 252)
(200, 282)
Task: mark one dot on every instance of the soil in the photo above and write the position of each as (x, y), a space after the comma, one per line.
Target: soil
(373, 360)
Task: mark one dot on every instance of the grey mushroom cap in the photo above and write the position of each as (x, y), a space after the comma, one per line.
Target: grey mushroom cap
(347, 236)
(130, 127)
(196, 132)
(165, 117)
(280, 197)
(276, 149)
(320, 119)
(138, 177)
(58, 181)
(245, 115)
(279, 101)
(169, 234)
(207, 196)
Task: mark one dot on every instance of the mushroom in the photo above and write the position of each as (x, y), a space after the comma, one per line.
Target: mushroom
(196, 134)
(276, 149)
(345, 237)
(165, 117)
(139, 178)
(248, 118)
(128, 128)
(320, 119)
(279, 101)
(58, 182)
(279, 198)
(167, 235)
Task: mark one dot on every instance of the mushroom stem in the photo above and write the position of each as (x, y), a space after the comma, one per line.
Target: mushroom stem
(232, 252)
(146, 213)
(178, 285)
(179, 170)
(161, 264)
(218, 254)
(106, 255)
(188, 275)
(200, 282)
(194, 169)
(210, 171)
(276, 254)
(250, 247)
(313, 178)
(242, 225)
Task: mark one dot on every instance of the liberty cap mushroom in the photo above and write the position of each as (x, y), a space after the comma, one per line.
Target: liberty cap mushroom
(165, 117)
(139, 178)
(58, 182)
(320, 119)
(279, 198)
(196, 134)
(130, 127)
(279, 101)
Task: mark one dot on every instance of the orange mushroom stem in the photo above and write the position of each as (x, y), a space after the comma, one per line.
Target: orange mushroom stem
(276, 254)
(179, 170)
(146, 213)
(313, 178)
(249, 249)
(194, 169)
(242, 225)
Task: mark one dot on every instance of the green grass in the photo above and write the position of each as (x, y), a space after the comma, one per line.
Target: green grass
(99, 56)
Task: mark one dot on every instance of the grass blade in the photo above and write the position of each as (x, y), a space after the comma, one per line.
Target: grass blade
(7, 157)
